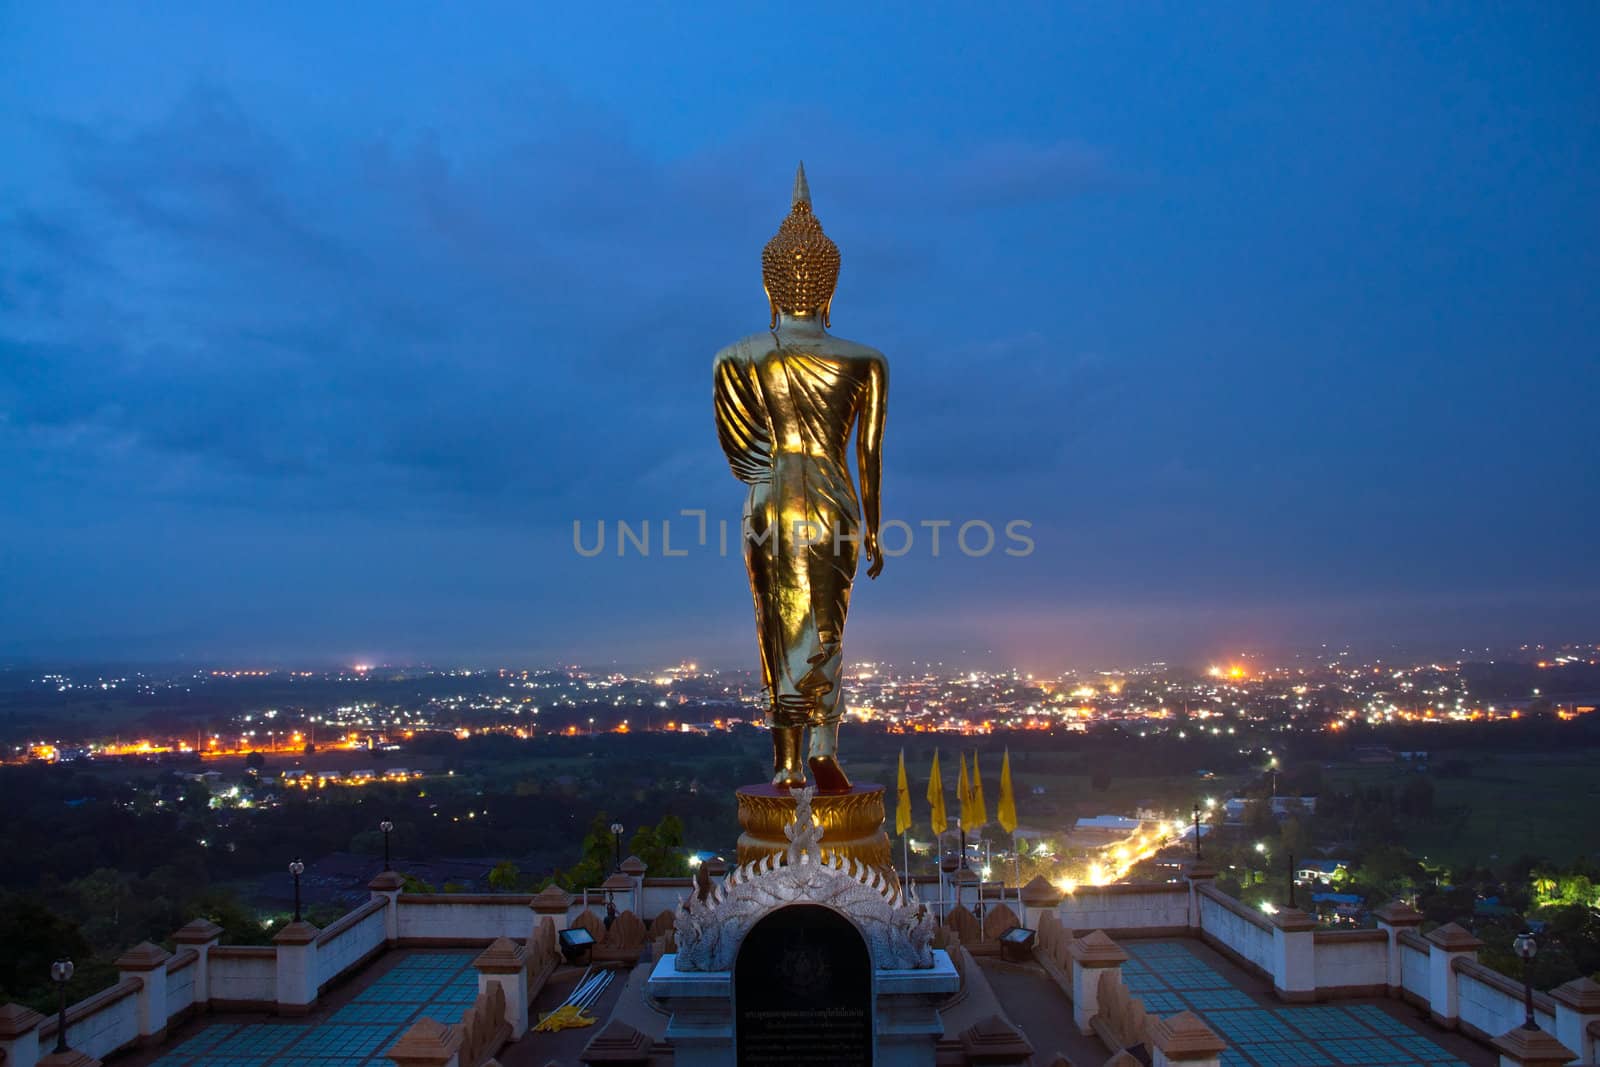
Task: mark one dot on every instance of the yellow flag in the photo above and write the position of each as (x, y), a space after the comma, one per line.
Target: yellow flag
(936, 797)
(964, 793)
(902, 811)
(980, 810)
(1008, 800)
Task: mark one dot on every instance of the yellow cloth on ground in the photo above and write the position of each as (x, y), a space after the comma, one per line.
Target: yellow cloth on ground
(566, 1017)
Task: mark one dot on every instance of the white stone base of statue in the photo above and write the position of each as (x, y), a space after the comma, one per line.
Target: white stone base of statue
(906, 1024)
(896, 976)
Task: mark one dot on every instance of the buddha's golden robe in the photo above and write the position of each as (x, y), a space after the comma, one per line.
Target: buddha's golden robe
(786, 401)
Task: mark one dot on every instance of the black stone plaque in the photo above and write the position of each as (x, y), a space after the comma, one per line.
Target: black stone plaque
(802, 991)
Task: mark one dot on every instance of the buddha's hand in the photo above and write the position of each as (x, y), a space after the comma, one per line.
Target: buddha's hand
(874, 554)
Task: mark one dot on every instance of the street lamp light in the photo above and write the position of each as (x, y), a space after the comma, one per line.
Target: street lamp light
(616, 835)
(388, 828)
(1526, 947)
(296, 868)
(61, 974)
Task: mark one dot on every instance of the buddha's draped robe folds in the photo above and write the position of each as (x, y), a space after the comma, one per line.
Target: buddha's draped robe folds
(784, 415)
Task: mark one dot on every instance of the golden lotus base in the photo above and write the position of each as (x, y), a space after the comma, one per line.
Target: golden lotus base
(852, 823)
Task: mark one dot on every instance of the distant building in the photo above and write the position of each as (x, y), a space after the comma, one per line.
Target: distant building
(1349, 906)
(1285, 806)
(1319, 870)
(1113, 824)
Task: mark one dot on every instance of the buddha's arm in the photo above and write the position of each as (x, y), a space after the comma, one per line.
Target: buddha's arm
(741, 422)
(869, 456)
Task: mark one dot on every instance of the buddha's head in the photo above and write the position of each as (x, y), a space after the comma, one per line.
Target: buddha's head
(800, 265)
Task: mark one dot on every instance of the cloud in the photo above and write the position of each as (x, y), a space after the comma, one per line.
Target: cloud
(485, 328)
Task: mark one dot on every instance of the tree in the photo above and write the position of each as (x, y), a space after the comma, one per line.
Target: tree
(1389, 869)
(596, 857)
(660, 847)
(255, 761)
(504, 877)
(410, 883)
(1258, 820)
(33, 936)
(240, 926)
(996, 835)
(1293, 838)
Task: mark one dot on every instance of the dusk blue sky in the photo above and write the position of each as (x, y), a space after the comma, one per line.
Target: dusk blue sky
(320, 324)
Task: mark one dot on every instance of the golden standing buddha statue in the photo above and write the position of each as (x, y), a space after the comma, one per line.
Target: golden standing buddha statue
(786, 402)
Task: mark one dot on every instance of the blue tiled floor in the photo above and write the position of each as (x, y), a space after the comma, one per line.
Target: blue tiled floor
(1169, 978)
(440, 985)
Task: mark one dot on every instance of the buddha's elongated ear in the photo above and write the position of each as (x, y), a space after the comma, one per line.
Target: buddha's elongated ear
(773, 304)
(827, 312)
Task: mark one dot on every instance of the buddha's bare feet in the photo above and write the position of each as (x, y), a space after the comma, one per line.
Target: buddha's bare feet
(829, 775)
(824, 759)
(787, 770)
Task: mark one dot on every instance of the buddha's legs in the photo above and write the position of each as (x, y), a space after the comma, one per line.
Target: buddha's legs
(765, 566)
(831, 578)
(802, 594)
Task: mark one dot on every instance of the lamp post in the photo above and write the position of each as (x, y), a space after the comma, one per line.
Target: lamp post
(1291, 879)
(388, 828)
(1197, 830)
(1525, 947)
(296, 868)
(616, 836)
(61, 974)
(963, 828)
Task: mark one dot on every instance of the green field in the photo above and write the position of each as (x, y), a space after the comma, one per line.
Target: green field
(1509, 805)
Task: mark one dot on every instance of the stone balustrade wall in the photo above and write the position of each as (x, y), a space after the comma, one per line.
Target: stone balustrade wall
(1352, 962)
(1244, 932)
(182, 972)
(1491, 1003)
(1483, 1002)
(1150, 909)
(243, 976)
(1413, 968)
(462, 918)
(1317, 964)
(351, 941)
(662, 894)
(101, 1024)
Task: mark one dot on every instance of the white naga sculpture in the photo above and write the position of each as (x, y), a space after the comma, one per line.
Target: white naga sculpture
(898, 929)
